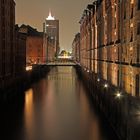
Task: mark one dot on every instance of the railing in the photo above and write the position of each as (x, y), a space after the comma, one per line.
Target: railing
(61, 64)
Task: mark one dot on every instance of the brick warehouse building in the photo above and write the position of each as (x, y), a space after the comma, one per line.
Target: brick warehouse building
(109, 42)
(7, 41)
(12, 49)
(35, 45)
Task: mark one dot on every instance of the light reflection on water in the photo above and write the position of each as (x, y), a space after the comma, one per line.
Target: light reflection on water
(57, 108)
(28, 109)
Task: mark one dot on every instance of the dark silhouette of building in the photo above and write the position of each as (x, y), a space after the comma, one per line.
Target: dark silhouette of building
(12, 48)
(20, 52)
(7, 41)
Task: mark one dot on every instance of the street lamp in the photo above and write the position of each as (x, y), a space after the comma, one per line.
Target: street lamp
(118, 94)
(98, 79)
(105, 85)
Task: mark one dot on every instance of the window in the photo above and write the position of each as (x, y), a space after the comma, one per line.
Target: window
(115, 8)
(138, 4)
(138, 28)
(125, 11)
(132, 11)
(137, 85)
(138, 53)
(131, 39)
(125, 14)
(115, 23)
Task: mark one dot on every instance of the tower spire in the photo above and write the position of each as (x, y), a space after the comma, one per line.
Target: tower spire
(50, 17)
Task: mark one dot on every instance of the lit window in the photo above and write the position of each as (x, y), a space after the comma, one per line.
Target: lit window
(131, 25)
(132, 1)
(131, 48)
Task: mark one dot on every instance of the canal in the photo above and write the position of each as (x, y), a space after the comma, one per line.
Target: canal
(55, 108)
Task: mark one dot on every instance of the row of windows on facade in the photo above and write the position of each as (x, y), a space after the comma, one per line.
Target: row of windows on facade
(138, 33)
(131, 38)
(124, 50)
(132, 10)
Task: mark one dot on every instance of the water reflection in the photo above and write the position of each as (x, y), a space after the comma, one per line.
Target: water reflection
(28, 112)
(88, 120)
(55, 108)
(11, 119)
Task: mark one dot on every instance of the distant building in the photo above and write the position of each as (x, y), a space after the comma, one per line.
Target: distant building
(7, 38)
(65, 55)
(35, 47)
(51, 28)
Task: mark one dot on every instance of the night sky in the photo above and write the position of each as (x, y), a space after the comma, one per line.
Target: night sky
(34, 12)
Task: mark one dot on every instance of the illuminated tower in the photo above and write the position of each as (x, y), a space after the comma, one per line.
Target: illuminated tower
(51, 28)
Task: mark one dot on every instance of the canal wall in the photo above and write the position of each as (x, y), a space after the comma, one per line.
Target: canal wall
(14, 88)
(122, 111)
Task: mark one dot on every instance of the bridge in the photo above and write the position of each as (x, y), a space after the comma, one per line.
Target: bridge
(67, 62)
(61, 64)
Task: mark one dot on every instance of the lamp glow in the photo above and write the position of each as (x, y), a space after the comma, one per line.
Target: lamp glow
(106, 85)
(118, 94)
(28, 68)
(50, 17)
(98, 79)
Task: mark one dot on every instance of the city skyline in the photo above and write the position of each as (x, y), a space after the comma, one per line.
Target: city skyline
(37, 11)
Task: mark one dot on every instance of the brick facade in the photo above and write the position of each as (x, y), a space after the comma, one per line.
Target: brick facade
(110, 42)
(76, 48)
(35, 45)
(20, 52)
(34, 50)
(7, 41)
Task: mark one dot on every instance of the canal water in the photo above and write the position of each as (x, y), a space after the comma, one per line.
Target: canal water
(55, 108)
